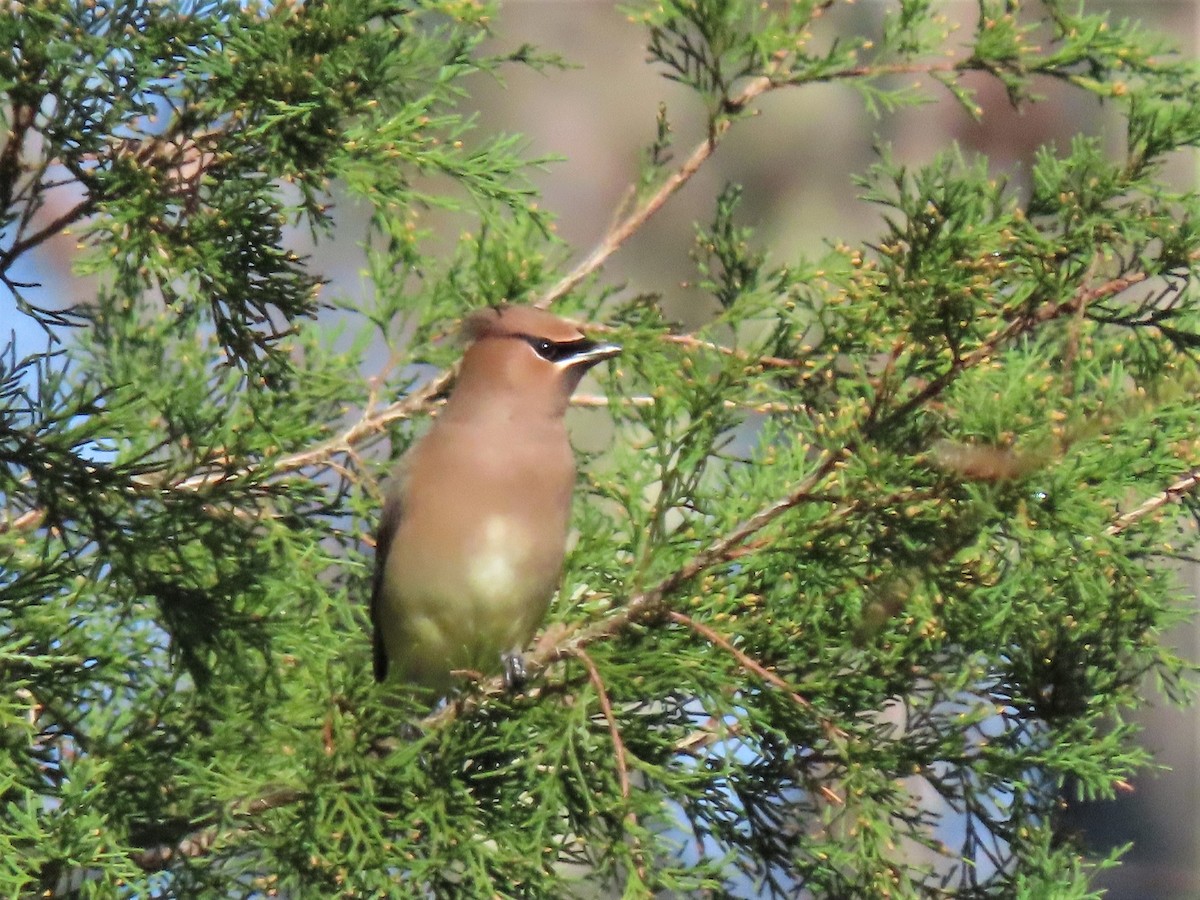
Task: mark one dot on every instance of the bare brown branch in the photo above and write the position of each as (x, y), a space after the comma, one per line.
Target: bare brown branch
(595, 401)
(835, 734)
(1184, 485)
(747, 663)
(1019, 325)
(606, 708)
(768, 362)
(201, 842)
(623, 229)
(626, 226)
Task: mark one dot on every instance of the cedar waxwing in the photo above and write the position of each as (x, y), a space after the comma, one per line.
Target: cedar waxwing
(474, 528)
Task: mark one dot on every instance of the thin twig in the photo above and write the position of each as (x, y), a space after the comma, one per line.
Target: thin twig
(625, 227)
(370, 424)
(1082, 298)
(614, 732)
(836, 735)
(74, 214)
(629, 225)
(599, 401)
(200, 842)
(768, 362)
(606, 708)
(746, 662)
(1184, 485)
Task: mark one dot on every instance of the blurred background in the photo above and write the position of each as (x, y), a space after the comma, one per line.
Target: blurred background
(795, 161)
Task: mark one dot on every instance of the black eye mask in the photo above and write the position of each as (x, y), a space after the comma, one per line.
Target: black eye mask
(557, 351)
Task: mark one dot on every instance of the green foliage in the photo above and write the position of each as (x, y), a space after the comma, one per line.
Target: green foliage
(870, 576)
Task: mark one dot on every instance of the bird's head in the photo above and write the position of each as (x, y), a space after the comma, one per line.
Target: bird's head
(526, 359)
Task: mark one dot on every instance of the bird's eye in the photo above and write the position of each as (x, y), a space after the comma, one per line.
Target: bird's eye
(544, 348)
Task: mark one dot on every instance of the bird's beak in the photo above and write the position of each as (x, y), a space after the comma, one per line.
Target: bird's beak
(592, 355)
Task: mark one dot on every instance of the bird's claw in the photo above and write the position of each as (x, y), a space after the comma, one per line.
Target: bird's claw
(514, 671)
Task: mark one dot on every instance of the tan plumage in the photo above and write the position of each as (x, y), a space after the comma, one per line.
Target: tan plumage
(474, 528)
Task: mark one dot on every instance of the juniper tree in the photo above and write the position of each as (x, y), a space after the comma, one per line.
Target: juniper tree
(872, 566)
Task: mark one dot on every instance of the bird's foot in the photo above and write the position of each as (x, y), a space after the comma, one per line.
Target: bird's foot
(514, 671)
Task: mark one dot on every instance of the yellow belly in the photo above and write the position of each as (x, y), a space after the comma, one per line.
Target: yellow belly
(462, 602)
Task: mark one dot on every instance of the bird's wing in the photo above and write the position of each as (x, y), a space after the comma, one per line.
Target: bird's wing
(389, 522)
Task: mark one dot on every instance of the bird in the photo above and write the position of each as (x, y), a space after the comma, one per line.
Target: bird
(473, 531)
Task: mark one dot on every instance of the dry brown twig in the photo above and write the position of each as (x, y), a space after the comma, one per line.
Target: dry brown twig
(613, 730)
(627, 226)
(618, 743)
(1185, 485)
(201, 842)
(836, 735)
(767, 362)
(594, 401)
